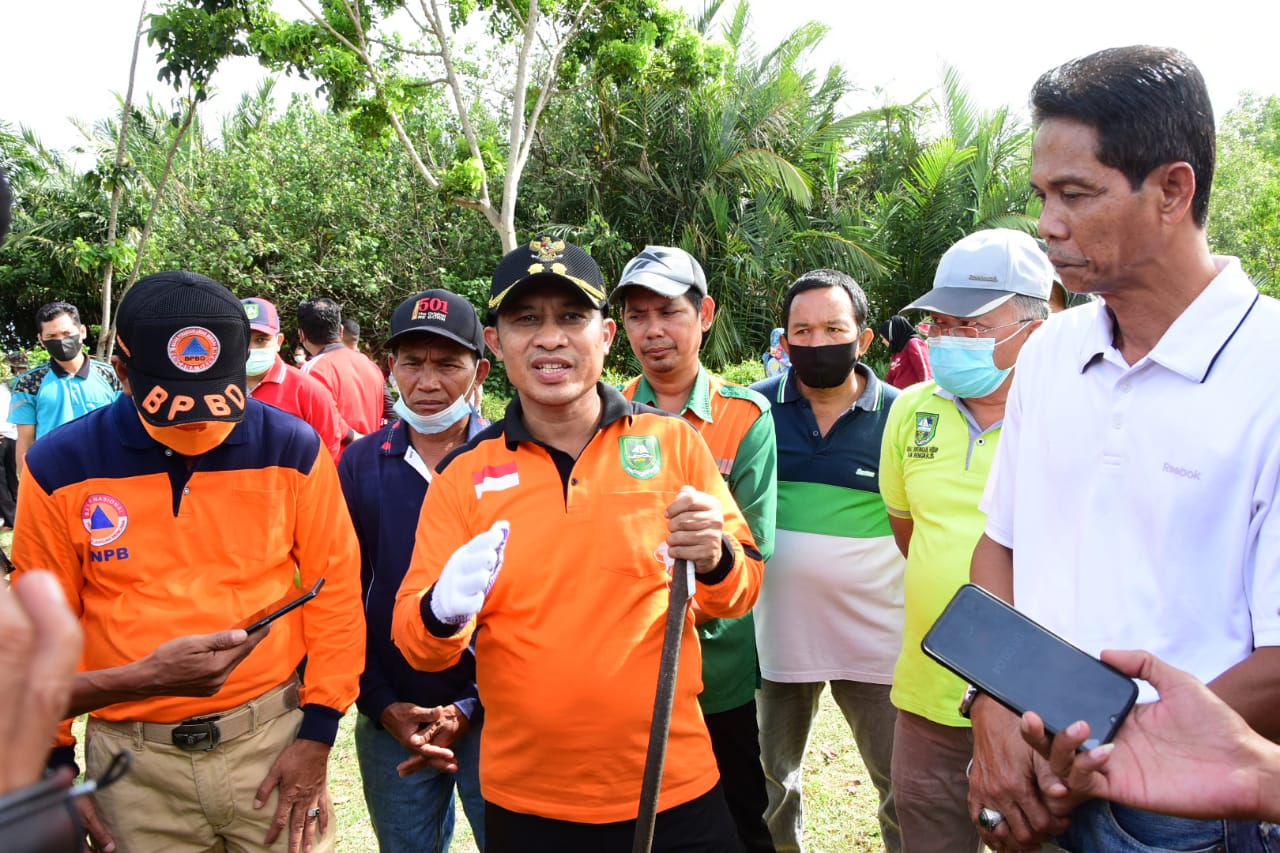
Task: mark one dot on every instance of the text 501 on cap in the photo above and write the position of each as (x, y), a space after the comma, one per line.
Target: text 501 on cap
(438, 312)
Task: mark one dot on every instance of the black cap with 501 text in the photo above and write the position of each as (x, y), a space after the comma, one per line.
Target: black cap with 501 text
(439, 312)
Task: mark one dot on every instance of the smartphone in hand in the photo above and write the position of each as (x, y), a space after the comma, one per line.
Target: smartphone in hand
(272, 612)
(1026, 667)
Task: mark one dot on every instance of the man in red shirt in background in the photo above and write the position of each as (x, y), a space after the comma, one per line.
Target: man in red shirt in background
(270, 381)
(355, 382)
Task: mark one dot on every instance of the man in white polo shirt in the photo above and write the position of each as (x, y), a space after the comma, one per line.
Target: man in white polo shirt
(1132, 502)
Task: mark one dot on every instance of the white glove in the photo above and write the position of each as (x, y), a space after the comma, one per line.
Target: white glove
(469, 575)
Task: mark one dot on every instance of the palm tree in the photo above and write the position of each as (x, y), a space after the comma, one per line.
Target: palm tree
(59, 231)
(742, 172)
(974, 175)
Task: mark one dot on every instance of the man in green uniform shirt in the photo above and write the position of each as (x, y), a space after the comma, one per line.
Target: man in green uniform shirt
(665, 312)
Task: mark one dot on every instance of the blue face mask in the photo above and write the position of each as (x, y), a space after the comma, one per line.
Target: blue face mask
(966, 366)
(440, 421)
(260, 360)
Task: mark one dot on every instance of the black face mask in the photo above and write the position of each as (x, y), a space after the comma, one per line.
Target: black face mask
(63, 349)
(826, 366)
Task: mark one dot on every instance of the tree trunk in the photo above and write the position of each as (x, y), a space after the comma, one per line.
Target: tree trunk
(117, 190)
(155, 205)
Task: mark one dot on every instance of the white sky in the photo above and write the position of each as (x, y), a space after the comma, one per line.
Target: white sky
(64, 58)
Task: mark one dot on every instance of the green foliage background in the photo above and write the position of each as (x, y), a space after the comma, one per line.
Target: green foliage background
(665, 131)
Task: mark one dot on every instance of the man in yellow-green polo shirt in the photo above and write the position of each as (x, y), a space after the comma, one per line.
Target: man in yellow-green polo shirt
(990, 293)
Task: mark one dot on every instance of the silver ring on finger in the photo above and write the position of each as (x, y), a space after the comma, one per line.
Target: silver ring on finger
(990, 818)
(313, 814)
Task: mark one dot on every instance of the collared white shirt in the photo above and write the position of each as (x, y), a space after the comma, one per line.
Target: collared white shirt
(1139, 501)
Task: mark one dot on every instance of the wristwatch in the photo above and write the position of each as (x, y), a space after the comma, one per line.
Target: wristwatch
(966, 701)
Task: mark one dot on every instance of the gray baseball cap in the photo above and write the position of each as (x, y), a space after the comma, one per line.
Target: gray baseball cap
(666, 270)
(984, 270)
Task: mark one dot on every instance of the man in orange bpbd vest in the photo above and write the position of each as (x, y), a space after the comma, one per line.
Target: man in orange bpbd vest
(547, 538)
(666, 311)
(185, 505)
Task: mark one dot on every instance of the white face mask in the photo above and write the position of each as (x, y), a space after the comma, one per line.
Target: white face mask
(441, 420)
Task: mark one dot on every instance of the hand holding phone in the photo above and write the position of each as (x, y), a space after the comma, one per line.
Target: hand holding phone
(1026, 667)
(289, 601)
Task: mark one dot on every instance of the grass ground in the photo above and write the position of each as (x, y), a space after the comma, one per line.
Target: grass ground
(840, 801)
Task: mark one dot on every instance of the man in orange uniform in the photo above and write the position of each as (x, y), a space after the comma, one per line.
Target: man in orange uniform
(186, 506)
(581, 499)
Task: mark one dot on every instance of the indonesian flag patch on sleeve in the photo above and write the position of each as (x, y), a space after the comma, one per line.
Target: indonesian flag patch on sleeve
(495, 478)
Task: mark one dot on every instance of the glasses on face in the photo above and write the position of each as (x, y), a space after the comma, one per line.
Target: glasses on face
(933, 330)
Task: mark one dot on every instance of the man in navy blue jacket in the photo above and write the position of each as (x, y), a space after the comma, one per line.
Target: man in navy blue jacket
(418, 733)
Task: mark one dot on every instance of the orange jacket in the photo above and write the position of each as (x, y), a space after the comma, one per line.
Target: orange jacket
(569, 638)
(146, 554)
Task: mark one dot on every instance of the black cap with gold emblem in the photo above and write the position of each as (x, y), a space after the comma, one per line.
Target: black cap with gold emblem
(546, 259)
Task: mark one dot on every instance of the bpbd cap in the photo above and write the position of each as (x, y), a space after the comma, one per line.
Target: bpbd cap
(184, 340)
(439, 312)
(546, 259)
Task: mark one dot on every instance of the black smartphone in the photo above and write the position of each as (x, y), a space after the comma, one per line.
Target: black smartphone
(275, 610)
(1026, 667)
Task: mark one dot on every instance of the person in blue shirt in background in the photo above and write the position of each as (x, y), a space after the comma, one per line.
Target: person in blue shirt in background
(70, 385)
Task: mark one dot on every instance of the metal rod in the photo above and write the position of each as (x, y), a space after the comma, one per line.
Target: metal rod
(662, 704)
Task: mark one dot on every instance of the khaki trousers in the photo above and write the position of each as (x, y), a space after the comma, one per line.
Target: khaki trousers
(175, 801)
(930, 788)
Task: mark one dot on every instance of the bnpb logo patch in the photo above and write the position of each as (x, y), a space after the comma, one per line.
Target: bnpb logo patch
(105, 518)
(194, 349)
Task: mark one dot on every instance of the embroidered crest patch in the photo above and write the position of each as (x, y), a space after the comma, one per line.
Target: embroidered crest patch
(547, 249)
(926, 427)
(641, 456)
(105, 518)
(194, 349)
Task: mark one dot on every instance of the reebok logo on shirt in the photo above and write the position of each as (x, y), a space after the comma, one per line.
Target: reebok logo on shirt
(1189, 473)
